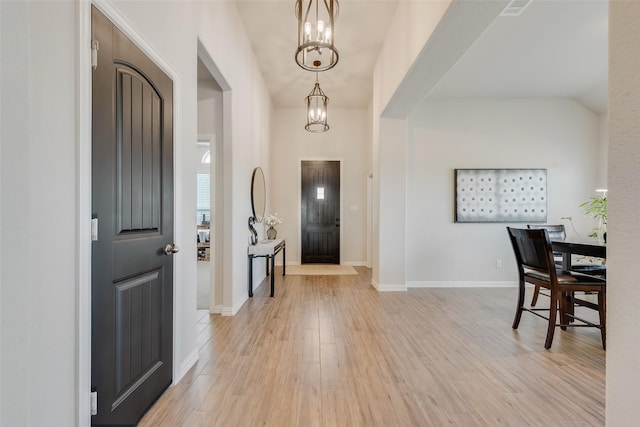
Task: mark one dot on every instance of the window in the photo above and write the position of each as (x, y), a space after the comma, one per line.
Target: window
(206, 157)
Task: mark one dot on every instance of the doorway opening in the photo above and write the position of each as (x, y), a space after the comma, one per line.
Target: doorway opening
(205, 158)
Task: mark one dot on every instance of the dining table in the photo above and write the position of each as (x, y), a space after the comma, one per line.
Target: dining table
(579, 246)
(593, 248)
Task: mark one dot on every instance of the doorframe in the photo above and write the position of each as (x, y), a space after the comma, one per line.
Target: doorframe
(224, 298)
(83, 195)
(319, 159)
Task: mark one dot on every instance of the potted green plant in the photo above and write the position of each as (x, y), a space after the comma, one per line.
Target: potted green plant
(596, 207)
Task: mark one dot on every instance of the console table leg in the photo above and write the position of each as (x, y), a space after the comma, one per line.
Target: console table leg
(250, 275)
(273, 270)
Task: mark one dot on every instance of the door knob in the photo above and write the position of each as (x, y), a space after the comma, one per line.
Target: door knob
(171, 249)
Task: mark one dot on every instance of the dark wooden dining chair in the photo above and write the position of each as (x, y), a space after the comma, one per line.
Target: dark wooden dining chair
(556, 232)
(534, 257)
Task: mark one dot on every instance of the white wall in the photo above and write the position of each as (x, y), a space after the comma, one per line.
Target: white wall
(623, 315)
(209, 106)
(559, 135)
(392, 185)
(40, 341)
(38, 174)
(369, 138)
(412, 25)
(347, 140)
(603, 151)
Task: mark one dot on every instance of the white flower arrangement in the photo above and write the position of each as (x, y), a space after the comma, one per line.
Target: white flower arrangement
(271, 220)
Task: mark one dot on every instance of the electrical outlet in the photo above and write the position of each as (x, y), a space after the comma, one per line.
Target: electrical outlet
(498, 263)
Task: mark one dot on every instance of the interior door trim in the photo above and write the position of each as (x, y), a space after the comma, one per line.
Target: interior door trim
(83, 194)
(342, 222)
(83, 233)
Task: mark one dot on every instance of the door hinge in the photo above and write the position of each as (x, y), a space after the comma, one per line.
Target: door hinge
(94, 402)
(94, 228)
(95, 47)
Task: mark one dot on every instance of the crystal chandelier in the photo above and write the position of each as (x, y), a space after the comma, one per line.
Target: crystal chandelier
(317, 110)
(316, 51)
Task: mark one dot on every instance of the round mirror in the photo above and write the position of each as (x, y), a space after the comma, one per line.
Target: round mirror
(258, 194)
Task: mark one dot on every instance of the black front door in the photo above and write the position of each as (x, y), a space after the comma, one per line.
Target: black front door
(320, 212)
(132, 199)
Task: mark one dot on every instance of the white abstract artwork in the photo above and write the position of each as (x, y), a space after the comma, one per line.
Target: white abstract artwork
(501, 195)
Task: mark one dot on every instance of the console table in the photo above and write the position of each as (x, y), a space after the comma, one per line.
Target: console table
(266, 249)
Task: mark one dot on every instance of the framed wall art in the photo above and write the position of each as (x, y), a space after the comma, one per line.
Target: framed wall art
(501, 195)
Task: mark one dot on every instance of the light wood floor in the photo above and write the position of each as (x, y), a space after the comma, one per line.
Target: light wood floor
(332, 351)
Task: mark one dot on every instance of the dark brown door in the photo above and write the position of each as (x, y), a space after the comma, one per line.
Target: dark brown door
(132, 198)
(320, 212)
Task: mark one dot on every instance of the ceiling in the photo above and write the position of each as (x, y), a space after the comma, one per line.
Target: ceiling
(554, 48)
(359, 32)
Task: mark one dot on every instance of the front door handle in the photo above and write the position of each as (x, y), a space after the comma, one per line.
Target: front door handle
(171, 249)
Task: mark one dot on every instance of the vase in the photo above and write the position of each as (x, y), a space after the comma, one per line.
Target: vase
(271, 233)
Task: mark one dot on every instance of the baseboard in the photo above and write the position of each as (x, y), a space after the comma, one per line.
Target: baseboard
(462, 284)
(187, 364)
(351, 263)
(228, 311)
(217, 309)
(387, 287)
(231, 311)
(392, 288)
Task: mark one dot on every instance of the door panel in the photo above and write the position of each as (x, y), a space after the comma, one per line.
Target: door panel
(320, 212)
(138, 155)
(132, 197)
(139, 308)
